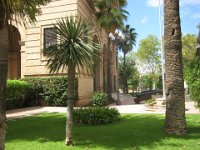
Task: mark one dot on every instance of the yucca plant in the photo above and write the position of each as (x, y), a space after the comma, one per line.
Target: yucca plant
(73, 51)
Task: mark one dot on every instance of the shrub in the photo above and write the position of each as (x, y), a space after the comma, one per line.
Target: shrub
(95, 115)
(15, 93)
(151, 102)
(55, 91)
(99, 99)
(34, 96)
(51, 91)
(193, 79)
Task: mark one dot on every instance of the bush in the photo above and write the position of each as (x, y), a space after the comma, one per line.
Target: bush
(95, 115)
(34, 97)
(50, 91)
(15, 93)
(99, 99)
(193, 79)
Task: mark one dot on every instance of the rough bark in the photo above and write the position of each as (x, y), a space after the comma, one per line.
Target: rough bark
(175, 122)
(125, 84)
(3, 75)
(70, 103)
(109, 86)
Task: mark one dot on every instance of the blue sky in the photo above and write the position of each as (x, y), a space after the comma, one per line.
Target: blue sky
(144, 17)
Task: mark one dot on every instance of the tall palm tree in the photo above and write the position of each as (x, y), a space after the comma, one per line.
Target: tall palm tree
(175, 122)
(72, 51)
(110, 15)
(126, 45)
(8, 10)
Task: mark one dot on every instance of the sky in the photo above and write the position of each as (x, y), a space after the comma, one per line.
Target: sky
(144, 17)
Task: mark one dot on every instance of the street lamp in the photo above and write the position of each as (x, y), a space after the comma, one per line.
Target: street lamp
(117, 37)
(162, 50)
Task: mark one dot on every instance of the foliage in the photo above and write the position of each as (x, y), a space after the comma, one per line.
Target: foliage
(95, 115)
(159, 83)
(193, 79)
(126, 45)
(146, 82)
(130, 69)
(21, 8)
(151, 102)
(128, 41)
(99, 99)
(15, 93)
(111, 14)
(148, 51)
(73, 52)
(149, 57)
(146, 130)
(188, 47)
(50, 91)
(188, 51)
(72, 47)
(55, 91)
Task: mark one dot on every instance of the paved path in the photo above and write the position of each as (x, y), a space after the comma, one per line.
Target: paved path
(127, 106)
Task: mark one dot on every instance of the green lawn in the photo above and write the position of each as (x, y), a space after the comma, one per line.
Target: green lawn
(47, 132)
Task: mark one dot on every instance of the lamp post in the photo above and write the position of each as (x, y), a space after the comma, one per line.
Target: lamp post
(162, 50)
(117, 37)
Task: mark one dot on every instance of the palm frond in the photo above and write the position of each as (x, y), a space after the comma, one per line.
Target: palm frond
(72, 48)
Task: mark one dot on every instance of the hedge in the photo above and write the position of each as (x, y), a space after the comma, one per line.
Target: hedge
(193, 79)
(51, 91)
(95, 115)
(15, 93)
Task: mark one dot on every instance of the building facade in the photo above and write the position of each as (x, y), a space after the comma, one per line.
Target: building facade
(26, 58)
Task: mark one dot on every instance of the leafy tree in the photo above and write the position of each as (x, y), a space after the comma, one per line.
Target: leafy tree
(146, 82)
(129, 68)
(72, 51)
(192, 77)
(110, 15)
(149, 57)
(8, 10)
(188, 47)
(175, 122)
(192, 68)
(189, 50)
(126, 45)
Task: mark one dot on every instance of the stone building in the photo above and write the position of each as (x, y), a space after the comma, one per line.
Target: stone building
(25, 51)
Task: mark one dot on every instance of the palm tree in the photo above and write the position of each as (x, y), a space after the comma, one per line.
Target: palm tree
(175, 122)
(126, 45)
(8, 10)
(110, 15)
(72, 51)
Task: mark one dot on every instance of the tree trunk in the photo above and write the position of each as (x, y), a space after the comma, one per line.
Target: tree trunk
(175, 122)
(3, 76)
(70, 105)
(125, 84)
(109, 86)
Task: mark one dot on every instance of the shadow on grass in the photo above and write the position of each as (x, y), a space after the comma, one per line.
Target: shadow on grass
(133, 131)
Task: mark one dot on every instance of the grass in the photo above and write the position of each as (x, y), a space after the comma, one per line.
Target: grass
(133, 132)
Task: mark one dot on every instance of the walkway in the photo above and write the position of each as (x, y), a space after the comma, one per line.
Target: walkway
(127, 106)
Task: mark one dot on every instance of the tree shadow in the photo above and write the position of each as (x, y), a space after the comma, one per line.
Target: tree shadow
(131, 132)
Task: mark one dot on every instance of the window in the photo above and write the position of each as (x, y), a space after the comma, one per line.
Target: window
(50, 37)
